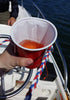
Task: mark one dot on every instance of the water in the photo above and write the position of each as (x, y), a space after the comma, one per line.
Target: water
(58, 12)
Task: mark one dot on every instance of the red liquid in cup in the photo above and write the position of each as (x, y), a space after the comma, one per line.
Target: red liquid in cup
(35, 55)
(31, 44)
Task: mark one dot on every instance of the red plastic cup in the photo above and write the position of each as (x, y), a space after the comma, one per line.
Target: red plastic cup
(35, 29)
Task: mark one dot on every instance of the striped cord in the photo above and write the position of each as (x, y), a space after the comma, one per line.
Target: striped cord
(2, 42)
(38, 74)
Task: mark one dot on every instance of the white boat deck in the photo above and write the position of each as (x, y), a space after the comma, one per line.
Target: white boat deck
(42, 92)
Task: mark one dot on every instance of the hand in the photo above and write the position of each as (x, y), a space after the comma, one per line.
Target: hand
(11, 21)
(9, 59)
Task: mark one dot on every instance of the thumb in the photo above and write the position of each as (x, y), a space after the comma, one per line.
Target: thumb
(21, 61)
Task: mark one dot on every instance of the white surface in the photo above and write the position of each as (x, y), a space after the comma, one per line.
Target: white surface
(5, 29)
(22, 13)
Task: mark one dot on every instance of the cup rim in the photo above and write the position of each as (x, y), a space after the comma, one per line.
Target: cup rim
(35, 18)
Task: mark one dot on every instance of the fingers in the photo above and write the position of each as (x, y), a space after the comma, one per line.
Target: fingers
(17, 61)
(14, 59)
(20, 61)
(8, 61)
(11, 21)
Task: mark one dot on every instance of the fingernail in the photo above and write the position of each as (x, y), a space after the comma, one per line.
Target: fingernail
(29, 62)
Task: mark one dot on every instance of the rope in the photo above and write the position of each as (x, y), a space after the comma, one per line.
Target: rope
(7, 40)
(38, 74)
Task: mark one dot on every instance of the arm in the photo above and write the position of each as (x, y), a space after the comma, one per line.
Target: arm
(14, 12)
